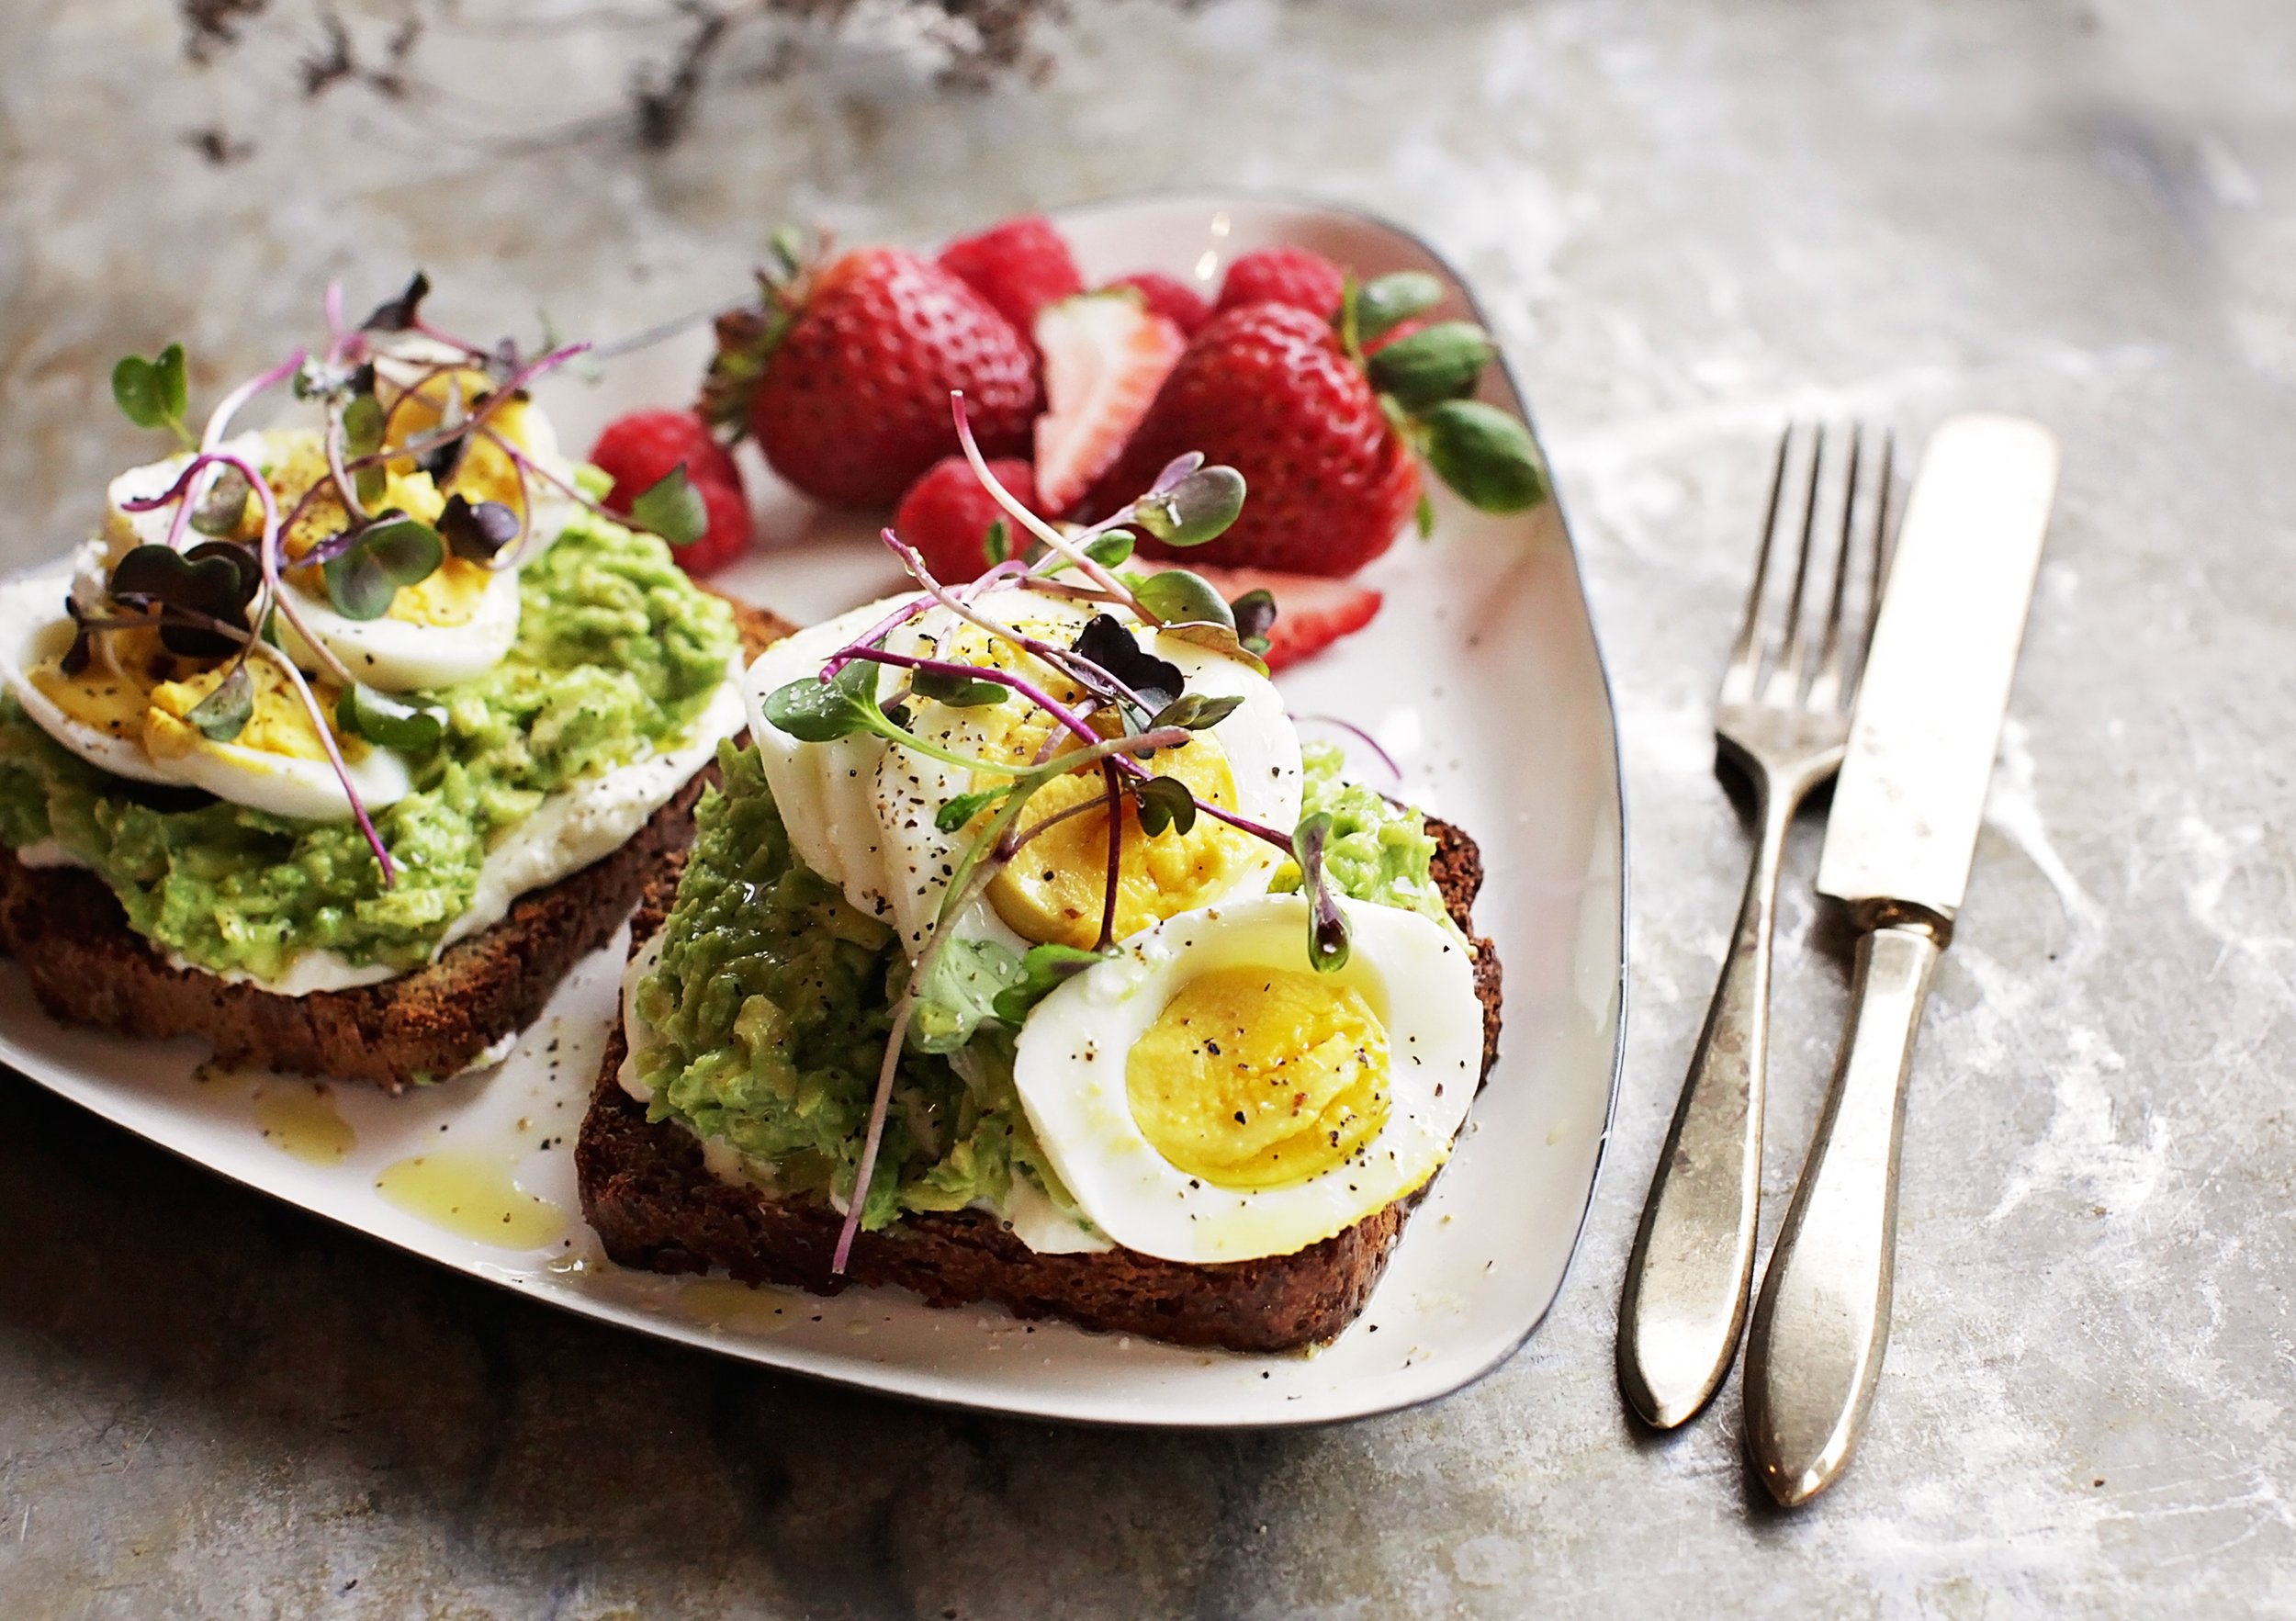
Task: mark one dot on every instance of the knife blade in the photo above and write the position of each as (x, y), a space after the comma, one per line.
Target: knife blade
(1899, 842)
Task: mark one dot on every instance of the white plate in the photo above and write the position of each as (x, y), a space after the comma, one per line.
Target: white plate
(1480, 676)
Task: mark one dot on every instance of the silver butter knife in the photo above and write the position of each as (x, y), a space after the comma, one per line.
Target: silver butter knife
(1899, 840)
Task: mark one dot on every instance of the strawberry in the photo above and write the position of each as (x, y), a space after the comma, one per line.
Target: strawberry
(947, 515)
(1105, 357)
(1298, 277)
(641, 449)
(1311, 613)
(844, 373)
(1020, 266)
(1169, 296)
(1325, 437)
(1268, 391)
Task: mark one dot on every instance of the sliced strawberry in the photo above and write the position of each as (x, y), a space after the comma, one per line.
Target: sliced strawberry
(1311, 612)
(1105, 357)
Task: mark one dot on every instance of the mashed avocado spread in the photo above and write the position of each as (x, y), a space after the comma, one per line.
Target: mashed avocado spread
(616, 650)
(768, 1010)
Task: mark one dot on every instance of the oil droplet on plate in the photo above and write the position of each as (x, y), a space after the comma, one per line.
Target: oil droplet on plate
(725, 1302)
(299, 1118)
(471, 1193)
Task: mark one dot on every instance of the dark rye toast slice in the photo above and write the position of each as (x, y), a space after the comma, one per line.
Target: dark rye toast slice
(646, 1192)
(87, 966)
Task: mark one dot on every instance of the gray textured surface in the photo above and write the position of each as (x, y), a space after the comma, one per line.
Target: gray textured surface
(1691, 220)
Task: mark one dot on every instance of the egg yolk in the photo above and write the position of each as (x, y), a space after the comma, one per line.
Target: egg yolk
(486, 472)
(1056, 888)
(1260, 1078)
(278, 724)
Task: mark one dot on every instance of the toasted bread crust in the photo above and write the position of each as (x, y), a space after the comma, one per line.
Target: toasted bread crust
(87, 966)
(646, 1192)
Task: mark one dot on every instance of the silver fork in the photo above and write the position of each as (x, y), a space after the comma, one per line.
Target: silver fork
(1783, 717)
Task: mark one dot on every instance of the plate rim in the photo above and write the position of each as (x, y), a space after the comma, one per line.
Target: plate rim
(864, 1376)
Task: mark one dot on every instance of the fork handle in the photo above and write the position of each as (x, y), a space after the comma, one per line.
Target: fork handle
(1815, 1352)
(1694, 1259)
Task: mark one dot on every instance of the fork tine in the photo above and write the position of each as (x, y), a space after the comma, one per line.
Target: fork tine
(1738, 680)
(1825, 686)
(1785, 686)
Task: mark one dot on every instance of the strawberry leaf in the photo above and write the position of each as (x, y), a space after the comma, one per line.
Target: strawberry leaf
(1387, 301)
(1485, 455)
(1439, 362)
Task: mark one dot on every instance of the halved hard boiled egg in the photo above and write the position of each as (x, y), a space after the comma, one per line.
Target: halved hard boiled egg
(1206, 1096)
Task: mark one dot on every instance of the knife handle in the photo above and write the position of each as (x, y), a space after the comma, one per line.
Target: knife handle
(1815, 1352)
(1688, 1277)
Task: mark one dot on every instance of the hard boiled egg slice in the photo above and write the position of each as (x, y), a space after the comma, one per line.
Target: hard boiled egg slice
(97, 714)
(1207, 1096)
(823, 790)
(1056, 889)
(456, 625)
(277, 762)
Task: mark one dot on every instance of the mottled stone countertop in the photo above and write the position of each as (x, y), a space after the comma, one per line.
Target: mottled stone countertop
(1689, 219)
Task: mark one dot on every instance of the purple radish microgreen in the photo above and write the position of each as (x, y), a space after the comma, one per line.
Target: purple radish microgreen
(223, 509)
(1200, 508)
(477, 531)
(1164, 801)
(1254, 614)
(223, 714)
(215, 580)
(1327, 925)
(399, 314)
(394, 551)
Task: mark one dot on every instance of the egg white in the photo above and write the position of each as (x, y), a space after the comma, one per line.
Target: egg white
(400, 656)
(1070, 1070)
(32, 628)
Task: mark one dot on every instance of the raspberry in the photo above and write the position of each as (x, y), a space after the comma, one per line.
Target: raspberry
(1018, 265)
(947, 515)
(1169, 296)
(1297, 276)
(637, 452)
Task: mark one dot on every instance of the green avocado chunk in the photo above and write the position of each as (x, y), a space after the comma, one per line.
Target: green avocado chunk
(1379, 852)
(766, 1017)
(617, 651)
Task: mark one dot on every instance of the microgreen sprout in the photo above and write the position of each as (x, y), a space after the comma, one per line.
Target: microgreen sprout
(153, 393)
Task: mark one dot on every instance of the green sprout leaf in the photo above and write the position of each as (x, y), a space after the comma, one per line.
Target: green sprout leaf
(153, 393)
(1198, 508)
(1485, 455)
(1194, 712)
(1387, 301)
(1423, 516)
(1110, 548)
(1442, 362)
(672, 508)
(815, 711)
(957, 812)
(224, 507)
(223, 714)
(394, 551)
(997, 541)
(1327, 926)
(1178, 597)
(1042, 971)
(959, 691)
(1255, 613)
(1166, 802)
(393, 722)
(363, 425)
(959, 992)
